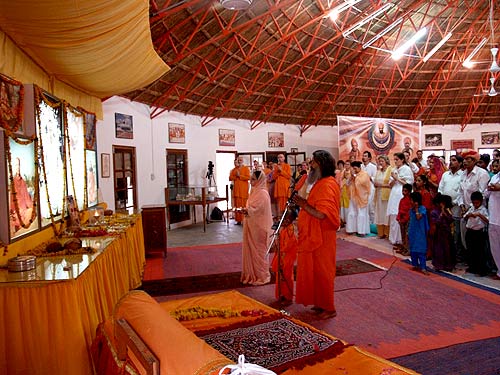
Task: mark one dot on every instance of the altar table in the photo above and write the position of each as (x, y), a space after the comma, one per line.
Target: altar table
(49, 316)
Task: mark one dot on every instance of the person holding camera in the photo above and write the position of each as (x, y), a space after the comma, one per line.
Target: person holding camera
(239, 176)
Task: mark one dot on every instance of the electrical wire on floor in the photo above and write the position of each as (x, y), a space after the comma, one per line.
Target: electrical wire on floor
(386, 272)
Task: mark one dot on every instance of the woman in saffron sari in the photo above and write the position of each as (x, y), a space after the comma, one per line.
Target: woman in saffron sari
(382, 192)
(436, 170)
(256, 232)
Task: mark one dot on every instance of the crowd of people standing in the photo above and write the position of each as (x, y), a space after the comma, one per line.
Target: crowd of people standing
(450, 211)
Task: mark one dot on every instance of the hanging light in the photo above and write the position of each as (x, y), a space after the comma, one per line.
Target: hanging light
(398, 53)
(367, 19)
(468, 61)
(236, 4)
(436, 47)
(334, 13)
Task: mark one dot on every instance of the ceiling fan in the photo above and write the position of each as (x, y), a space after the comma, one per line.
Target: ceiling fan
(492, 91)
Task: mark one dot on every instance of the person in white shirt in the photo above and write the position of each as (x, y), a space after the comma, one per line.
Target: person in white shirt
(450, 185)
(421, 159)
(493, 194)
(476, 235)
(371, 169)
(414, 168)
(474, 179)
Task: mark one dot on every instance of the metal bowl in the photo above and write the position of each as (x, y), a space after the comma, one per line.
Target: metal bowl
(22, 263)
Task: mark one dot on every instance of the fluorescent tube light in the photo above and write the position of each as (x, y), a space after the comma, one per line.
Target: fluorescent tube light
(364, 21)
(436, 47)
(398, 53)
(334, 13)
(382, 33)
(468, 61)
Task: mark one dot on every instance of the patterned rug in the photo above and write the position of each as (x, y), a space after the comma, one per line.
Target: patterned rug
(276, 343)
(231, 280)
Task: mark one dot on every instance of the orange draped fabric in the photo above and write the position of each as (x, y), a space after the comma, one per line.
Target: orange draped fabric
(317, 246)
(360, 189)
(288, 255)
(48, 327)
(282, 174)
(240, 176)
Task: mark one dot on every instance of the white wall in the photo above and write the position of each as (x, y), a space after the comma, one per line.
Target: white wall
(454, 132)
(151, 141)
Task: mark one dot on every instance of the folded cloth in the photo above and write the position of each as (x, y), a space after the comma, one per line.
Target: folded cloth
(243, 368)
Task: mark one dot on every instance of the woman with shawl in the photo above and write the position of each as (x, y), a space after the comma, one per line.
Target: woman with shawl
(382, 192)
(436, 170)
(256, 232)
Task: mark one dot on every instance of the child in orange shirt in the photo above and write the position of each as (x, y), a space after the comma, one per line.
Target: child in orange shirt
(288, 246)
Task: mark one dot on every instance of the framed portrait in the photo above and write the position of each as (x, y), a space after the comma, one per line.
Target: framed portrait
(227, 137)
(90, 131)
(461, 144)
(176, 133)
(105, 167)
(11, 104)
(124, 126)
(294, 149)
(489, 138)
(23, 216)
(275, 139)
(91, 165)
(433, 140)
(75, 157)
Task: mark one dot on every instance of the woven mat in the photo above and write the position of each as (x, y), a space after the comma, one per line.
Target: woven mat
(276, 343)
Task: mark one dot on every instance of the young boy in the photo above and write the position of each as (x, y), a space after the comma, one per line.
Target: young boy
(417, 233)
(403, 218)
(476, 235)
(288, 246)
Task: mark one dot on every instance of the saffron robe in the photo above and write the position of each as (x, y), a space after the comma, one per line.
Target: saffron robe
(288, 245)
(240, 189)
(318, 246)
(282, 180)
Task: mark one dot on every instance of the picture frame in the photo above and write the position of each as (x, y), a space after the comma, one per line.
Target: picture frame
(294, 149)
(489, 138)
(90, 131)
(433, 140)
(105, 167)
(275, 139)
(124, 126)
(461, 144)
(176, 133)
(227, 137)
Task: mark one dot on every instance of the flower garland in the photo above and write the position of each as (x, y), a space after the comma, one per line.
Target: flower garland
(39, 96)
(198, 312)
(20, 106)
(13, 191)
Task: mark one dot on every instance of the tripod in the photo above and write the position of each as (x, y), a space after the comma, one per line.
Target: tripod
(275, 242)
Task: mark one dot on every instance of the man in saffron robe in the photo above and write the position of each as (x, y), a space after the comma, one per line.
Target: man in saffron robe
(282, 175)
(318, 222)
(358, 219)
(239, 175)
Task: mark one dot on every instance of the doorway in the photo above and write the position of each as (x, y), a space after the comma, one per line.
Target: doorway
(224, 162)
(124, 175)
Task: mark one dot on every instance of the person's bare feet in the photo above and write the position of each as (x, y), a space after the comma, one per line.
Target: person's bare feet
(327, 314)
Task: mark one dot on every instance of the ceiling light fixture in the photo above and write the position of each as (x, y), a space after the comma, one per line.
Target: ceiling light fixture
(436, 47)
(364, 21)
(382, 33)
(236, 4)
(334, 13)
(398, 53)
(468, 61)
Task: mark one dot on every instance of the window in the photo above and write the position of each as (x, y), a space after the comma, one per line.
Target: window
(124, 178)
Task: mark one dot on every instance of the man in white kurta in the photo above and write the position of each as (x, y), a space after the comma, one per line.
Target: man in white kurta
(493, 193)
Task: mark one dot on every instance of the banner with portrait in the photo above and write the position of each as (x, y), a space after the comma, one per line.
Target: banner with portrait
(377, 135)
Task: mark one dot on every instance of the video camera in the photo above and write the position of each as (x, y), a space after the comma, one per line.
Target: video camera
(210, 171)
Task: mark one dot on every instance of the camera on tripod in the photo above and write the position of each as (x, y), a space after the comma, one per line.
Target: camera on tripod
(210, 172)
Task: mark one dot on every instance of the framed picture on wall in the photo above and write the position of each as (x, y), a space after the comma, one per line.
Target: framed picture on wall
(275, 139)
(105, 167)
(460, 144)
(124, 126)
(433, 140)
(489, 138)
(227, 137)
(176, 133)
(90, 131)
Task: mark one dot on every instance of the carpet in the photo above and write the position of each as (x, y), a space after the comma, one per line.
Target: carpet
(231, 280)
(479, 357)
(275, 343)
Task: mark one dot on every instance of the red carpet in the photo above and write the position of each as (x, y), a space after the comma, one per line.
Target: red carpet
(403, 313)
